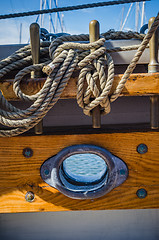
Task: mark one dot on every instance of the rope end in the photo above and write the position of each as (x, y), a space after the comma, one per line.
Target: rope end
(49, 68)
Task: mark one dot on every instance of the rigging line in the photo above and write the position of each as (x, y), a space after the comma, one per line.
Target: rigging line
(137, 16)
(37, 19)
(142, 14)
(70, 8)
(41, 8)
(122, 17)
(58, 15)
(42, 22)
(52, 22)
(50, 2)
(126, 16)
(39, 15)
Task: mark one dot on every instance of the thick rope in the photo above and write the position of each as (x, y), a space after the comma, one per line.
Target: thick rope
(69, 8)
(136, 58)
(66, 57)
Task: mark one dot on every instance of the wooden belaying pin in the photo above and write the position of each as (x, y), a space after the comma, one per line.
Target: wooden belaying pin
(35, 50)
(152, 68)
(94, 36)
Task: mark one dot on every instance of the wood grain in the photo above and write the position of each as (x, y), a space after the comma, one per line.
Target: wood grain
(19, 174)
(137, 85)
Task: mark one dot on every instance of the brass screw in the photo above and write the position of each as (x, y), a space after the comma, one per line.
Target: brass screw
(29, 197)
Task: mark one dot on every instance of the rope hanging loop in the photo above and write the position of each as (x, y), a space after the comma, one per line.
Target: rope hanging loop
(91, 66)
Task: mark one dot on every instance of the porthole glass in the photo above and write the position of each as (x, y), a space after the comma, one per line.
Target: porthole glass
(84, 169)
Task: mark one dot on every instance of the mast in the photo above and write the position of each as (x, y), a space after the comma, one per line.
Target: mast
(127, 16)
(122, 17)
(56, 22)
(41, 6)
(142, 14)
(42, 22)
(139, 8)
(137, 16)
(20, 34)
(50, 16)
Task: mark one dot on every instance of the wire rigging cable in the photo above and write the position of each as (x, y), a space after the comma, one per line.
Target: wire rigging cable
(69, 8)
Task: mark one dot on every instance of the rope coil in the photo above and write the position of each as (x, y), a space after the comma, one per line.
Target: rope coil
(66, 57)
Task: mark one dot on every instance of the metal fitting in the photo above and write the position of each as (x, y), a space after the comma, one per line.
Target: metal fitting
(27, 152)
(141, 193)
(142, 148)
(29, 197)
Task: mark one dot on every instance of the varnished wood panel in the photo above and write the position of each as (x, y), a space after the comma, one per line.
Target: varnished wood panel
(137, 85)
(19, 174)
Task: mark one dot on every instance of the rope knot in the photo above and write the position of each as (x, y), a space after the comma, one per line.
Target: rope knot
(93, 86)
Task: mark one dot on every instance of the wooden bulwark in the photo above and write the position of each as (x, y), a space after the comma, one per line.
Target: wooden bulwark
(18, 174)
(137, 85)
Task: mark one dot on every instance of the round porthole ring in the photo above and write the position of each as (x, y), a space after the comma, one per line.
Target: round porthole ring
(76, 149)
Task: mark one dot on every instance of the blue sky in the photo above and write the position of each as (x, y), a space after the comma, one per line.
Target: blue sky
(75, 22)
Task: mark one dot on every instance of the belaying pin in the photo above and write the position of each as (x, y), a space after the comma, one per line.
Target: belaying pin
(35, 51)
(94, 36)
(152, 68)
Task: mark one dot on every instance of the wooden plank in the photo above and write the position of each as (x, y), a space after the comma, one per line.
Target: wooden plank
(19, 174)
(137, 85)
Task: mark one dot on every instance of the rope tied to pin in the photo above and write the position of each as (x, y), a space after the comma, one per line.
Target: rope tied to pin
(92, 68)
(66, 57)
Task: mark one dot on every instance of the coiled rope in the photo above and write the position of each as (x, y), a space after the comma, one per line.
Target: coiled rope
(66, 57)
